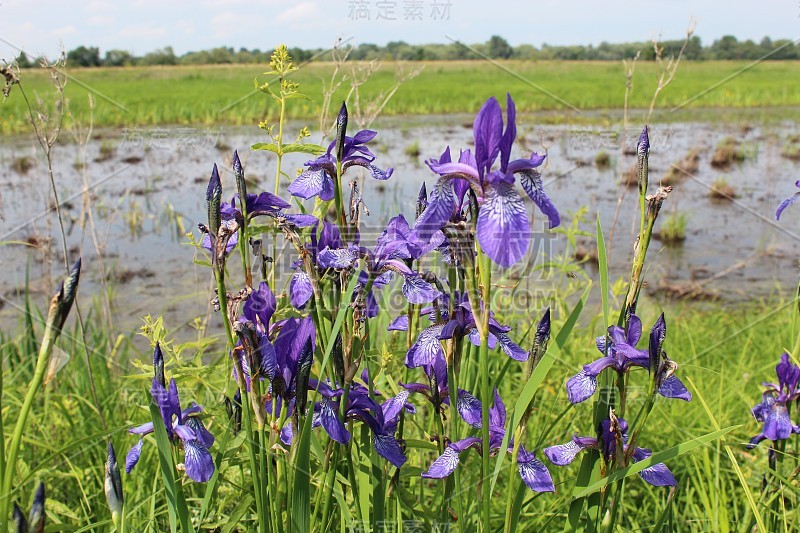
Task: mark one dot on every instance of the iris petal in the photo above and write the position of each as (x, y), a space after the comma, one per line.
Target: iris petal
(313, 182)
(534, 473)
(564, 454)
(269, 358)
(497, 413)
(502, 228)
(674, 388)
(657, 475)
(777, 424)
(581, 387)
(388, 448)
(417, 290)
(198, 461)
(510, 348)
(300, 289)
(507, 140)
(444, 465)
(399, 324)
(260, 304)
(531, 181)
(133, 456)
(338, 258)
(427, 347)
(200, 430)
(392, 407)
(330, 421)
(469, 407)
(787, 202)
(438, 213)
(487, 131)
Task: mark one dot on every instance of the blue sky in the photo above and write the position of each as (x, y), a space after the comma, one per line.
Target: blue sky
(140, 26)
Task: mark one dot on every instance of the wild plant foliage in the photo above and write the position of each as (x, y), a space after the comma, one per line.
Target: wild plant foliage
(321, 432)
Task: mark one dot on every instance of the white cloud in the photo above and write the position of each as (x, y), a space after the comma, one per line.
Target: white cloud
(66, 31)
(142, 31)
(185, 27)
(230, 24)
(100, 20)
(99, 5)
(302, 12)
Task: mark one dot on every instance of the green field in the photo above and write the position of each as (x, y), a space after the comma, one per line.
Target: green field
(223, 94)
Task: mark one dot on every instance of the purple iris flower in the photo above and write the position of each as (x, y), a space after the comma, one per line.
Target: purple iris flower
(621, 354)
(382, 418)
(606, 441)
(787, 202)
(436, 390)
(773, 410)
(502, 227)
(258, 311)
(532, 471)
(394, 247)
(181, 425)
(460, 323)
(300, 288)
(284, 349)
(318, 178)
(262, 204)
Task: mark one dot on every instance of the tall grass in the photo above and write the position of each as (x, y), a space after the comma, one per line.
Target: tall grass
(725, 353)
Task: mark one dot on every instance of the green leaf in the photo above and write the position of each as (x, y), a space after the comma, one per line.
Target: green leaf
(337, 324)
(238, 513)
(739, 474)
(301, 489)
(312, 149)
(295, 96)
(176, 502)
(211, 486)
(537, 377)
(660, 457)
(270, 147)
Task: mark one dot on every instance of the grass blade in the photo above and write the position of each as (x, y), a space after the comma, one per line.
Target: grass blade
(739, 474)
(211, 486)
(301, 487)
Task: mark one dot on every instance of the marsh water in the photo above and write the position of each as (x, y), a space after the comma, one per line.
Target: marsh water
(145, 190)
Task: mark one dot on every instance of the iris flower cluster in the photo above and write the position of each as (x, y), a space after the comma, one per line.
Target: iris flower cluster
(611, 433)
(532, 471)
(773, 411)
(458, 324)
(274, 349)
(620, 354)
(183, 426)
(318, 178)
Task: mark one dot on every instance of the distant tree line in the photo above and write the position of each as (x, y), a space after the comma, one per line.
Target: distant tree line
(728, 47)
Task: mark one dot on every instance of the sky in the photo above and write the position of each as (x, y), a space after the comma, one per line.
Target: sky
(140, 26)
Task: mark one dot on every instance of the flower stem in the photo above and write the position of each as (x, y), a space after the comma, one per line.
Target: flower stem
(222, 294)
(42, 361)
(452, 385)
(485, 386)
(278, 169)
